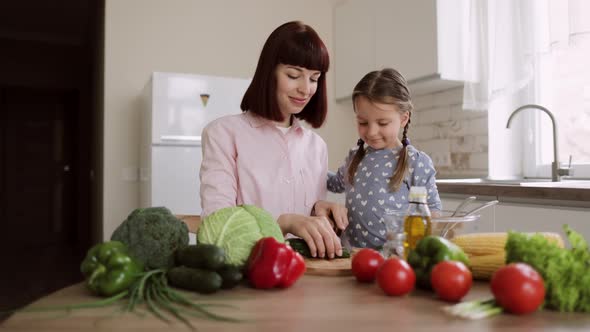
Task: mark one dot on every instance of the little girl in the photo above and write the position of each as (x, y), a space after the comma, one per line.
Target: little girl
(378, 173)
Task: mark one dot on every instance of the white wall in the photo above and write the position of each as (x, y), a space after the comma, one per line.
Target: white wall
(219, 37)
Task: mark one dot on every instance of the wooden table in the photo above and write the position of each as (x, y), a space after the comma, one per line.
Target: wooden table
(314, 303)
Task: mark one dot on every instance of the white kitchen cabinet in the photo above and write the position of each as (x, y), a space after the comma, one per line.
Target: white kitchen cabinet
(421, 39)
(524, 216)
(541, 218)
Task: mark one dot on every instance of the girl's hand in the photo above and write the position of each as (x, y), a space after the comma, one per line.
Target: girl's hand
(338, 213)
(316, 231)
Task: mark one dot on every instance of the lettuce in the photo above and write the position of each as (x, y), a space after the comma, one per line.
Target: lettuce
(565, 271)
(237, 229)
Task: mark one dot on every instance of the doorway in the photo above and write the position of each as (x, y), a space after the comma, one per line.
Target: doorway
(37, 167)
(37, 190)
(50, 59)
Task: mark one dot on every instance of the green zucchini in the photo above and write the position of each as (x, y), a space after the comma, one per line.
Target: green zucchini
(201, 256)
(231, 276)
(198, 280)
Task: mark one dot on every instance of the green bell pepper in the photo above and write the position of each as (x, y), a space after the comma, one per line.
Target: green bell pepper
(430, 251)
(109, 269)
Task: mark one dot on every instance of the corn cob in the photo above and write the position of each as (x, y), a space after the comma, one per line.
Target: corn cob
(478, 244)
(486, 251)
(481, 243)
(484, 266)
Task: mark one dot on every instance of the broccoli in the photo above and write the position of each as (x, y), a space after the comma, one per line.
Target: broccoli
(152, 236)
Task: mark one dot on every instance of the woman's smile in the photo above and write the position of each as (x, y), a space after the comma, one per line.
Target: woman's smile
(298, 101)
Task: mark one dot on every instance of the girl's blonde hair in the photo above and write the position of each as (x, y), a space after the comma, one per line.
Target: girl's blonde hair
(386, 86)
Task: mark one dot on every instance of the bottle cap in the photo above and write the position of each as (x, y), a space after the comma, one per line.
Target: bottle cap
(418, 194)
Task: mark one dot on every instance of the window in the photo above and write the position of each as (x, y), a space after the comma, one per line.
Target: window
(530, 52)
(563, 86)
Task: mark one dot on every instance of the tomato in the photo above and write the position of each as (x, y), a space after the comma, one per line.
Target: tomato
(451, 280)
(396, 277)
(365, 264)
(518, 288)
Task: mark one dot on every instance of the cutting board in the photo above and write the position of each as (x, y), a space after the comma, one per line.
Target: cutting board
(328, 267)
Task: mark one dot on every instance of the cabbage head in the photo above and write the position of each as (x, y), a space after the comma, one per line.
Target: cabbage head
(237, 229)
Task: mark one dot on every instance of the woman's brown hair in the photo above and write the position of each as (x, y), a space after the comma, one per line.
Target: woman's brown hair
(386, 86)
(296, 44)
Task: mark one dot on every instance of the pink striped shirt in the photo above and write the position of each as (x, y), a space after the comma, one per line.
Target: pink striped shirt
(248, 160)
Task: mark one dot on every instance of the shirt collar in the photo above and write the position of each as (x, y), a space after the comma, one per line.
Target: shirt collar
(257, 121)
(296, 124)
(254, 120)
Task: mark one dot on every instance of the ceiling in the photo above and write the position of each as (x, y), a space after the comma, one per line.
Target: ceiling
(50, 21)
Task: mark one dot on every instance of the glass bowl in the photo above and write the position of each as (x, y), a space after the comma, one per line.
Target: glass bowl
(447, 226)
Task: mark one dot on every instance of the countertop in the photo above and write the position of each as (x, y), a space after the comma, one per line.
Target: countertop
(573, 191)
(314, 303)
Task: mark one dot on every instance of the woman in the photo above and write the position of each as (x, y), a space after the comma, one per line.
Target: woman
(265, 157)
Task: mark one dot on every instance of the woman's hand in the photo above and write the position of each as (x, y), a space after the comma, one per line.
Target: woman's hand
(338, 213)
(317, 232)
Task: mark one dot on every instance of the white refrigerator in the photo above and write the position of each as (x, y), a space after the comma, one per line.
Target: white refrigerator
(177, 108)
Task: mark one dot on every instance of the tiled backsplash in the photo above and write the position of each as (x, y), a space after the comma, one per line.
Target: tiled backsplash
(455, 139)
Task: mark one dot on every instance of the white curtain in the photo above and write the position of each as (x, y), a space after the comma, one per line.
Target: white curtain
(505, 41)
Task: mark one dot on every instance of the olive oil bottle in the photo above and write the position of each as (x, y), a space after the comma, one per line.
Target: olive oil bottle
(417, 223)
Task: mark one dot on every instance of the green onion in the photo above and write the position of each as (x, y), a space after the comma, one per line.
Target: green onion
(152, 306)
(162, 301)
(474, 309)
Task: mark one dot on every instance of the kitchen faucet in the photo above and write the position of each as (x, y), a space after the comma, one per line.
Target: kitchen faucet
(557, 172)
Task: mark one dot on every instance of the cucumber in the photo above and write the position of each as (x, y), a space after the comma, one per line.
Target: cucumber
(201, 256)
(231, 276)
(198, 280)
(301, 247)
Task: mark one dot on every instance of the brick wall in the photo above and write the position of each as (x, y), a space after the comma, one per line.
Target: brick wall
(455, 139)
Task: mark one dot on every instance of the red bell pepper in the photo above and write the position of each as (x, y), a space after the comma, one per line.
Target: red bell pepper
(274, 264)
(294, 271)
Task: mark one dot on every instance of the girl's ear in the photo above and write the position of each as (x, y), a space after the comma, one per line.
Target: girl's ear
(405, 117)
